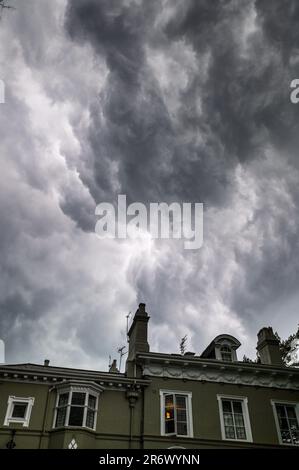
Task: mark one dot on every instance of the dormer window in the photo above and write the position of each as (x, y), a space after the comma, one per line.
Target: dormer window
(226, 354)
(222, 348)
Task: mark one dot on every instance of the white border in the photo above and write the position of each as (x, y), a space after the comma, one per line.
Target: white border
(245, 411)
(10, 405)
(189, 413)
(283, 402)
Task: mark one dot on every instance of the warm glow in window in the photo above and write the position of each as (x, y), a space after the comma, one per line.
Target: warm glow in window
(175, 409)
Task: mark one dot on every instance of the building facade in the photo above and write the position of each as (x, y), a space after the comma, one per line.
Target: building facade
(162, 400)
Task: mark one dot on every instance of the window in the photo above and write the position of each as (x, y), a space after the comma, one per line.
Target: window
(18, 410)
(73, 444)
(287, 422)
(226, 354)
(176, 415)
(76, 407)
(234, 418)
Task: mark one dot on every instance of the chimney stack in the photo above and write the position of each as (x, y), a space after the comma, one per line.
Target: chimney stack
(137, 337)
(113, 367)
(268, 347)
(46, 362)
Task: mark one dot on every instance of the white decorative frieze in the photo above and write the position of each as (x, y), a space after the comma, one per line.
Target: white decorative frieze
(258, 378)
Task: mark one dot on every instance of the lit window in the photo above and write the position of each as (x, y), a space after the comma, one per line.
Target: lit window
(234, 418)
(287, 421)
(176, 413)
(76, 408)
(226, 354)
(18, 410)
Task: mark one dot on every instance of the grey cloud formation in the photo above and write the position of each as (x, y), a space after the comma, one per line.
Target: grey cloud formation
(217, 123)
(163, 101)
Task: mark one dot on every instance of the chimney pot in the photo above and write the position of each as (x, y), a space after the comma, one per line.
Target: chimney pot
(46, 362)
(141, 308)
(113, 367)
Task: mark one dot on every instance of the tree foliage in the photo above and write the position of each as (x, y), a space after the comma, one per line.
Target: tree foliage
(287, 347)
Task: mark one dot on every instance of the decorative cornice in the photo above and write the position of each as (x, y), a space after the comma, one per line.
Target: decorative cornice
(57, 378)
(219, 372)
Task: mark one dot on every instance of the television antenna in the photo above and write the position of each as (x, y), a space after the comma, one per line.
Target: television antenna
(121, 351)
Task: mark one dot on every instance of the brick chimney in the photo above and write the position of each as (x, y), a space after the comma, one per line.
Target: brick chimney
(137, 336)
(268, 347)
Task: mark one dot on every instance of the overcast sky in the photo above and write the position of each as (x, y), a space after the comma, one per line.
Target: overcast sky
(161, 100)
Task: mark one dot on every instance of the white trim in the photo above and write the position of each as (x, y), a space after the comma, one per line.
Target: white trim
(88, 391)
(176, 447)
(96, 411)
(283, 402)
(188, 395)
(10, 406)
(244, 401)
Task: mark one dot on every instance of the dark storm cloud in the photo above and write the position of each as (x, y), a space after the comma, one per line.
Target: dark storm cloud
(244, 100)
(137, 133)
(279, 22)
(136, 130)
(251, 50)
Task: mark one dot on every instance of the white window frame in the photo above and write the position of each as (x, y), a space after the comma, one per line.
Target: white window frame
(227, 352)
(70, 390)
(245, 411)
(10, 406)
(188, 396)
(275, 402)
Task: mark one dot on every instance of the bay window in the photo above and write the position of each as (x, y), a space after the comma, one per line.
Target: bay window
(76, 407)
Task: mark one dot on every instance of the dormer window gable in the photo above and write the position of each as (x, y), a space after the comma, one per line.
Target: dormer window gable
(222, 348)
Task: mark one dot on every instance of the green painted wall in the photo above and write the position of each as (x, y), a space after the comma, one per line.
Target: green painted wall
(206, 420)
(113, 418)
